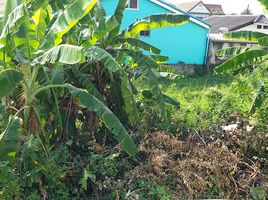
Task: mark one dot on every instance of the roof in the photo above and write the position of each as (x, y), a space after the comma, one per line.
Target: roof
(176, 10)
(215, 9)
(233, 22)
(188, 6)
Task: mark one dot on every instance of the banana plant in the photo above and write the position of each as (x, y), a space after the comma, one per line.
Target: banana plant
(53, 53)
(128, 50)
(247, 57)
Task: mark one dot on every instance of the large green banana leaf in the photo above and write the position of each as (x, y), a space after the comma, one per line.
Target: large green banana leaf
(10, 5)
(15, 19)
(259, 98)
(129, 100)
(146, 64)
(84, 80)
(71, 54)
(160, 59)
(245, 35)
(39, 18)
(8, 81)
(118, 14)
(232, 51)
(64, 54)
(101, 30)
(65, 21)
(137, 43)
(237, 62)
(110, 120)
(98, 54)
(26, 38)
(155, 21)
(9, 139)
(263, 41)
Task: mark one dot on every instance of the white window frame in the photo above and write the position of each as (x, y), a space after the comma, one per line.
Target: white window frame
(128, 6)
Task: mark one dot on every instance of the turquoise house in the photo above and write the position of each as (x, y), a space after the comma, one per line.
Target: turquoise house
(187, 43)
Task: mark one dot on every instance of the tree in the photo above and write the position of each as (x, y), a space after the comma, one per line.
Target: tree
(247, 11)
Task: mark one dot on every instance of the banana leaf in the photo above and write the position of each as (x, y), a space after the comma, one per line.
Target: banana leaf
(237, 62)
(155, 21)
(8, 81)
(110, 120)
(9, 139)
(65, 21)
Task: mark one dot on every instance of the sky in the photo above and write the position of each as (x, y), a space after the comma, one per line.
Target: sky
(232, 6)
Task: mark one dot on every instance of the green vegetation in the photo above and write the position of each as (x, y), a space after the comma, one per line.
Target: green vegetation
(79, 122)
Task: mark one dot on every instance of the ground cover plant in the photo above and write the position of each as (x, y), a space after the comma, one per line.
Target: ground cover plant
(79, 122)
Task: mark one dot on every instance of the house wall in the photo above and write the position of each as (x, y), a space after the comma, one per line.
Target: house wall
(215, 46)
(253, 27)
(186, 43)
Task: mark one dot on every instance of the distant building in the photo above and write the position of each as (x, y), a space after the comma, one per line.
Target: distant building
(238, 22)
(200, 9)
(226, 23)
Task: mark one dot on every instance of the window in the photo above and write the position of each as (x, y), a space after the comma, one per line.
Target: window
(145, 33)
(265, 27)
(133, 4)
(259, 26)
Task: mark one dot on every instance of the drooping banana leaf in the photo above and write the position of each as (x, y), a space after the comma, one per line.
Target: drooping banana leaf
(8, 81)
(64, 54)
(10, 5)
(245, 35)
(39, 18)
(148, 66)
(137, 43)
(9, 139)
(84, 80)
(26, 38)
(110, 120)
(237, 62)
(263, 41)
(92, 35)
(148, 94)
(65, 21)
(15, 19)
(96, 53)
(259, 98)
(160, 59)
(155, 21)
(118, 14)
(129, 101)
(232, 51)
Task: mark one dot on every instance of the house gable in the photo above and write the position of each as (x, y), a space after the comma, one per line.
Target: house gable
(200, 8)
(150, 7)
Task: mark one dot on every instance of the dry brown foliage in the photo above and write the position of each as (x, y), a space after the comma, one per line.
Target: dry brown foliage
(194, 167)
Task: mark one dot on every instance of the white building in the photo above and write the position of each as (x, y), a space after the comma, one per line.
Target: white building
(238, 22)
(200, 9)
